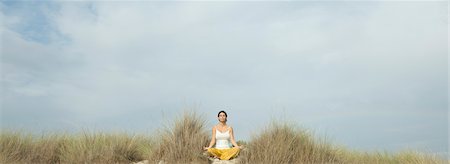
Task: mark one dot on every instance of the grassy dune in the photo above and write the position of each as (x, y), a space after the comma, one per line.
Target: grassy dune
(85, 147)
(182, 142)
(286, 143)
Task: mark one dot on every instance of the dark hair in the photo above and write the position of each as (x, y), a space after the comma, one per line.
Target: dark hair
(223, 113)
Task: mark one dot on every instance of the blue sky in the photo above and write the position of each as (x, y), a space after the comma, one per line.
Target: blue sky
(369, 75)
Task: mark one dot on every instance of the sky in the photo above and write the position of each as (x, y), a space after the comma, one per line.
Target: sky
(367, 75)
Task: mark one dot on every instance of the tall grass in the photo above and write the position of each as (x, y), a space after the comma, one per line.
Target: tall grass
(84, 147)
(100, 147)
(285, 143)
(282, 142)
(182, 142)
(406, 156)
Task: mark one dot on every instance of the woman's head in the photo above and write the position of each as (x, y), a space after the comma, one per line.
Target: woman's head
(222, 116)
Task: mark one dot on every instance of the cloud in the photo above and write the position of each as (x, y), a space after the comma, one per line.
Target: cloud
(327, 65)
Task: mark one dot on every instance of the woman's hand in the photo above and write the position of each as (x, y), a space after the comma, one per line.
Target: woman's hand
(206, 148)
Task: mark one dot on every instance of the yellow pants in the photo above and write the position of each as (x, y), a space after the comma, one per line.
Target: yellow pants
(224, 154)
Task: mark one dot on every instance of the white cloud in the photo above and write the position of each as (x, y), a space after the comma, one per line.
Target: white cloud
(338, 62)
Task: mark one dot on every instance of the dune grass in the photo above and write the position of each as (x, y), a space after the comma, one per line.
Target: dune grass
(85, 147)
(285, 143)
(182, 142)
(406, 156)
(282, 142)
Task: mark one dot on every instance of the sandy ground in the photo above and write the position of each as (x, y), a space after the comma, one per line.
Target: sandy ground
(232, 161)
(212, 160)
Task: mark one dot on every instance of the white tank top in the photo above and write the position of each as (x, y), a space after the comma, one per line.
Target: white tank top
(223, 139)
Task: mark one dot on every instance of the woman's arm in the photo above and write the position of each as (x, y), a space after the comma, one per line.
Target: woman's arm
(213, 138)
(232, 138)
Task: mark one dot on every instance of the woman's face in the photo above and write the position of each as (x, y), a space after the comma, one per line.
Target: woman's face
(222, 117)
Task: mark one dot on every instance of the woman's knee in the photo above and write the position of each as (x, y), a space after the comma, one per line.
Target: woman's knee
(210, 150)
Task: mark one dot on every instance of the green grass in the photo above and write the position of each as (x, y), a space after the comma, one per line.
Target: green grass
(182, 142)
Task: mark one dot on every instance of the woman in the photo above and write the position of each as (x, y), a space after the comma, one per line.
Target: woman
(222, 134)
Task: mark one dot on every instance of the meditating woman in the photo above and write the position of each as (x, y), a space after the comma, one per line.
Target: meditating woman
(222, 135)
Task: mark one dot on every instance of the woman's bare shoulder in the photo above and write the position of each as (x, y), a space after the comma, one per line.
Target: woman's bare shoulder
(230, 127)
